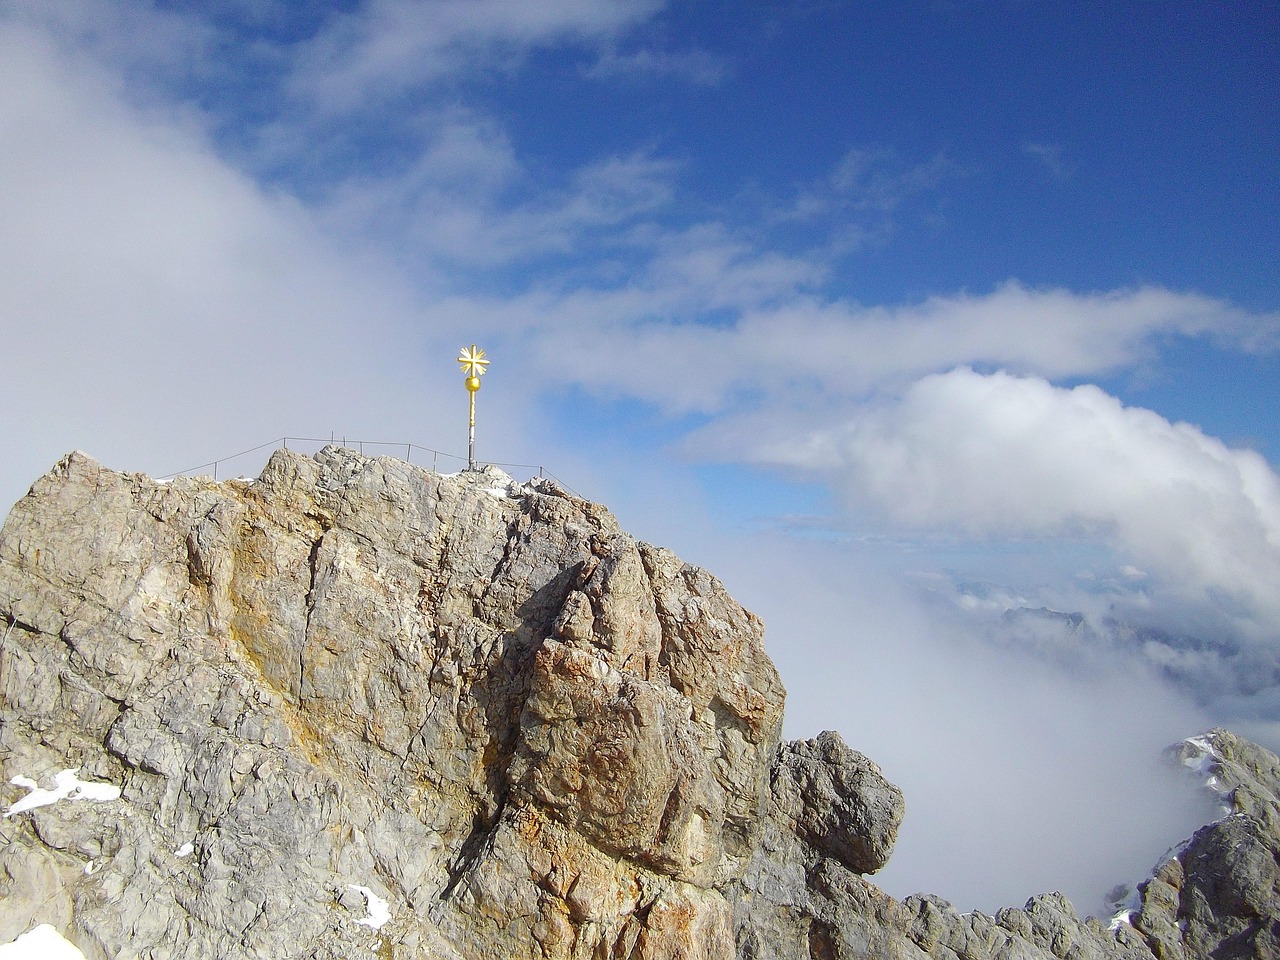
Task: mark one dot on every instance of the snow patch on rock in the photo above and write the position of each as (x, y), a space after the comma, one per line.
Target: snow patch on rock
(69, 787)
(379, 910)
(40, 943)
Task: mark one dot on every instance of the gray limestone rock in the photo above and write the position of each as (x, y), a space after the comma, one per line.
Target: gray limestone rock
(1216, 896)
(837, 802)
(355, 708)
(477, 701)
(1219, 895)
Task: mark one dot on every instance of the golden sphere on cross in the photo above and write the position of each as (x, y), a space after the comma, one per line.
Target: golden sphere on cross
(473, 384)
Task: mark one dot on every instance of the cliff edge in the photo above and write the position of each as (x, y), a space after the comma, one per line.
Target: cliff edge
(355, 707)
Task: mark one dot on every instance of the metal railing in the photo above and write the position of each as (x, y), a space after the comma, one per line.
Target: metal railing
(359, 447)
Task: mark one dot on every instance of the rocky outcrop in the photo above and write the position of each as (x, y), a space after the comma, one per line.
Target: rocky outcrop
(355, 707)
(1215, 896)
(1219, 895)
(354, 681)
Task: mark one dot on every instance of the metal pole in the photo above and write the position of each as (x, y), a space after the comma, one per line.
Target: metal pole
(471, 433)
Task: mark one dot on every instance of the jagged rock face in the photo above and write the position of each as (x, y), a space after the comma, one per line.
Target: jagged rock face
(528, 733)
(355, 707)
(1220, 895)
(1216, 896)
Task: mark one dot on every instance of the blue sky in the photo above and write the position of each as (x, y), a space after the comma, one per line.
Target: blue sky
(911, 321)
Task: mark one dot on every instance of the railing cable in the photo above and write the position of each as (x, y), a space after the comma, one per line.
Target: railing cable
(359, 445)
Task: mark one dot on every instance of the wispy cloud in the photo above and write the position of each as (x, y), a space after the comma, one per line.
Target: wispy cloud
(1051, 155)
(698, 67)
(864, 197)
(785, 340)
(467, 201)
(132, 36)
(386, 47)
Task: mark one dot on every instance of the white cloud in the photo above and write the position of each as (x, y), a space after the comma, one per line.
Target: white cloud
(1054, 332)
(999, 455)
(160, 306)
(1022, 774)
(131, 35)
(784, 347)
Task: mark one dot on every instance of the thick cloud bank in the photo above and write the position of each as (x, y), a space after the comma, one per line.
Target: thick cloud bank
(1194, 525)
(1003, 455)
(1022, 773)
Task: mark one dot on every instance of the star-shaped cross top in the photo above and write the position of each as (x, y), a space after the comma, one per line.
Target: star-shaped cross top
(472, 361)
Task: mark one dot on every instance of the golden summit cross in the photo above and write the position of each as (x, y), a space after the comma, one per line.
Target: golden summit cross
(473, 363)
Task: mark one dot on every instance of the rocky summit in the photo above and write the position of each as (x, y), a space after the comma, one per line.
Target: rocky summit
(356, 709)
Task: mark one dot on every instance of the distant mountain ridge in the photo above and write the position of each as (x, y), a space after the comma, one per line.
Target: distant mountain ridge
(356, 707)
